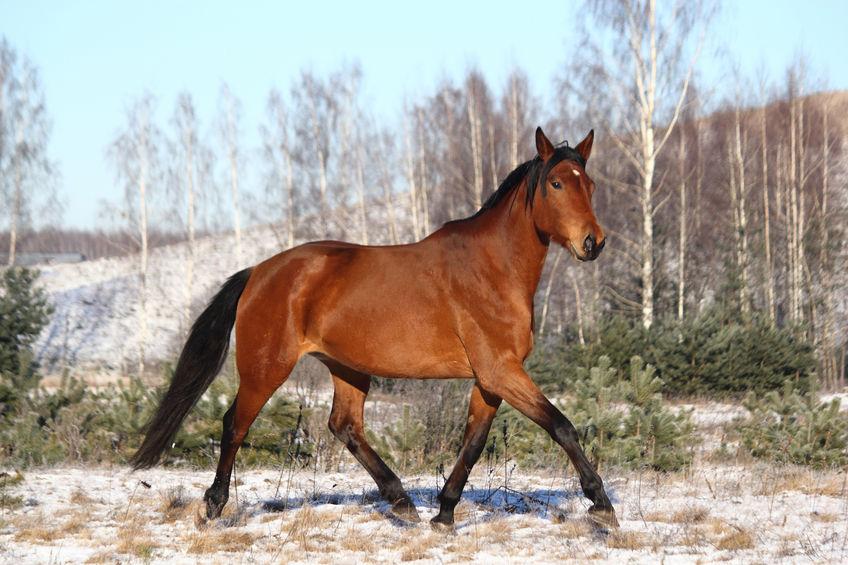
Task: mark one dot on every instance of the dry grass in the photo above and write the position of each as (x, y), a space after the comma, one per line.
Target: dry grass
(740, 539)
(139, 546)
(572, 529)
(79, 497)
(134, 539)
(214, 541)
(354, 540)
(175, 505)
(372, 516)
(40, 528)
(719, 527)
(413, 548)
(36, 533)
(691, 537)
(298, 528)
(619, 539)
(691, 515)
(824, 517)
(802, 480)
(77, 524)
(496, 531)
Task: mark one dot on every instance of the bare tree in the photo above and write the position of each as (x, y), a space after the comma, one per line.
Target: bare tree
(638, 92)
(191, 180)
(738, 194)
(25, 170)
(134, 155)
(279, 183)
(682, 223)
(229, 128)
(769, 266)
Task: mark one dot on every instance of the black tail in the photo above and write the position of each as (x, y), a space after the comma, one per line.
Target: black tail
(200, 362)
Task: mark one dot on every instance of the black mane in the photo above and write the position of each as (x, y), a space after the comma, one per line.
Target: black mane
(534, 171)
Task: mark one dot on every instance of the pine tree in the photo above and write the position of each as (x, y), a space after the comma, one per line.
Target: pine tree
(24, 312)
(626, 422)
(791, 427)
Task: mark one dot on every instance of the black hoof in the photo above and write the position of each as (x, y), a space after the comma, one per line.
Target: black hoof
(442, 523)
(406, 511)
(214, 505)
(603, 516)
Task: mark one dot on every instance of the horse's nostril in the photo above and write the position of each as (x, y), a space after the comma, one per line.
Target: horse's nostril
(601, 245)
(589, 244)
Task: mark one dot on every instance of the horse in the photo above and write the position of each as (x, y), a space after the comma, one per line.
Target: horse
(457, 304)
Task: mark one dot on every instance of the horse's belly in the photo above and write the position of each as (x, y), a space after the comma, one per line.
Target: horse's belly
(400, 345)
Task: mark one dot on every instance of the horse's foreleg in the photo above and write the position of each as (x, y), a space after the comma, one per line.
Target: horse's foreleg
(482, 408)
(346, 423)
(252, 395)
(519, 390)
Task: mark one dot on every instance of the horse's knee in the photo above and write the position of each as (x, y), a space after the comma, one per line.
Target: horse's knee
(564, 434)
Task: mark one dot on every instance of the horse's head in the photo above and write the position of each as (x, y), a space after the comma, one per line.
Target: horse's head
(562, 206)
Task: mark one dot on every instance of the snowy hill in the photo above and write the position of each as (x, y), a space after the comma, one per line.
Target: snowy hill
(97, 319)
(96, 327)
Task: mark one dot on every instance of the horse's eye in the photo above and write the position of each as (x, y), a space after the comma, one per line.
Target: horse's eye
(556, 184)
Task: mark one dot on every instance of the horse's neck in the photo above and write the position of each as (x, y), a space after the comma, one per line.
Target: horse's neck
(510, 243)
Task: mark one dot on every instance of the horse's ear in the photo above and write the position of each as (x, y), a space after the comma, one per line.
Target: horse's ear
(584, 148)
(543, 145)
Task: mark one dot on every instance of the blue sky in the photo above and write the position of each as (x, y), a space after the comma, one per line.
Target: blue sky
(95, 56)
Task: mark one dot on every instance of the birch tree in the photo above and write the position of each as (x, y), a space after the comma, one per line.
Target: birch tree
(635, 90)
(279, 180)
(191, 178)
(25, 169)
(134, 156)
(230, 136)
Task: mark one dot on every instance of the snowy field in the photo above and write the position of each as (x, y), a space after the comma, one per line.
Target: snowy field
(722, 512)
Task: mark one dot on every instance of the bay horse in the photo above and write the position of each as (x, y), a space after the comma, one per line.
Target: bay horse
(457, 304)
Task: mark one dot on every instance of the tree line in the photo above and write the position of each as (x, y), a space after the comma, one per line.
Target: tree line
(731, 193)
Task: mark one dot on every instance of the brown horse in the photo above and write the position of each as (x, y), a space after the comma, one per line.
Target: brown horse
(457, 304)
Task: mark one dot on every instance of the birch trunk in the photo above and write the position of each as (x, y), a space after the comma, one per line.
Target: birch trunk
(476, 150)
(513, 122)
(188, 147)
(425, 204)
(794, 310)
(578, 305)
(19, 155)
(289, 195)
(547, 299)
(143, 172)
(770, 294)
(410, 180)
(828, 339)
(681, 248)
(742, 225)
(232, 153)
(322, 162)
(801, 261)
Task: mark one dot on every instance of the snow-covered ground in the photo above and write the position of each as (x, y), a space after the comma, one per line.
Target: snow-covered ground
(737, 513)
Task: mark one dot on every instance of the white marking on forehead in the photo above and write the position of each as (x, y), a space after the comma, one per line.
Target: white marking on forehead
(576, 173)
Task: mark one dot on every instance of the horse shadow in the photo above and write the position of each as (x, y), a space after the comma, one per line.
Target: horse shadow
(495, 502)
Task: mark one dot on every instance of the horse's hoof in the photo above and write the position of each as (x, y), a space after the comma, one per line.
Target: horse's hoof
(442, 526)
(603, 517)
(406, 511)
(214, 508)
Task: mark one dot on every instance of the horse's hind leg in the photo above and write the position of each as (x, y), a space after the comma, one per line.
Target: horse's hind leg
(346, 423)
(255, 388)
(482, 408)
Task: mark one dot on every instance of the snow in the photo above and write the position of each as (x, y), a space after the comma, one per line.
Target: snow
(336, 517)
(96, 328)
